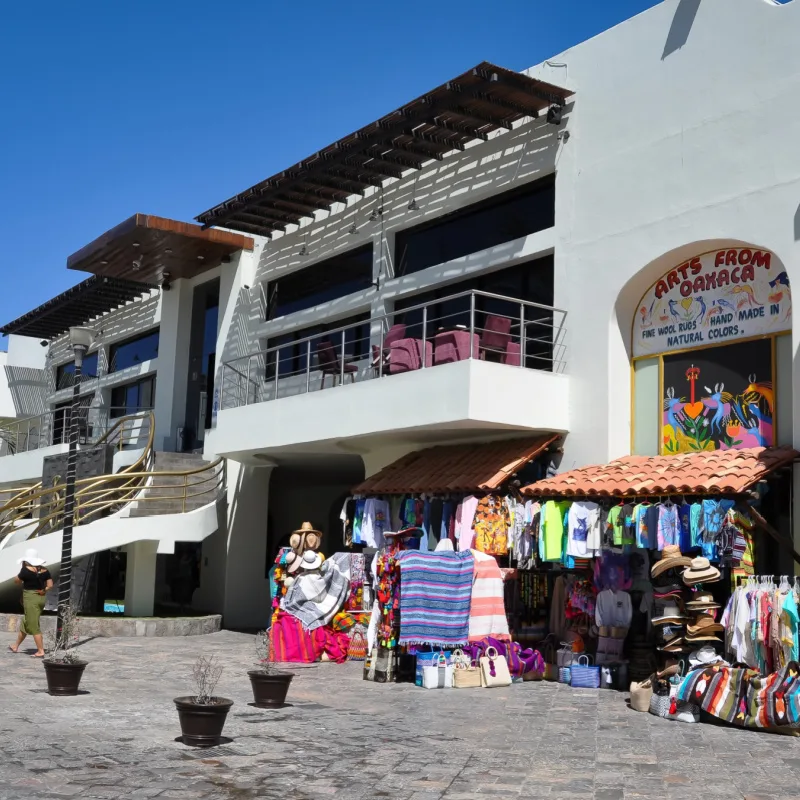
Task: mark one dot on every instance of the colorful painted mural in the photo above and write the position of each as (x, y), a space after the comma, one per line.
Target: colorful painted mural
(716, 297)
(718, 398)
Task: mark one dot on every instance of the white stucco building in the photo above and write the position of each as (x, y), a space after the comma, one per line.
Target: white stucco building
(627, 210)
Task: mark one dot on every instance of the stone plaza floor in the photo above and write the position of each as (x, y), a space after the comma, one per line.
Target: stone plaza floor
(342, 737)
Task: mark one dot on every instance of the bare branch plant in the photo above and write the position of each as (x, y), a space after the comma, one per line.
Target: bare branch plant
(206, 674)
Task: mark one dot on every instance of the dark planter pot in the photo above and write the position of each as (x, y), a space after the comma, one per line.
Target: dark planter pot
(63, 679)
(269, 691)
(201, 725)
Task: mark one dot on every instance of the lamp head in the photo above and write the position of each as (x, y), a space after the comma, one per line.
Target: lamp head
(81, 338)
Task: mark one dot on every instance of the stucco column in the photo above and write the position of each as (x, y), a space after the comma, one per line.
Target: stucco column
(140, 578)
(247, 602)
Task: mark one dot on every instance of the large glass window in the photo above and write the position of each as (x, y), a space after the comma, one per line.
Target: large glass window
(133, 351)
(477, 227)
(531, 281)
(133, 397)
(328, 280)
(65, 373)
(294, 354)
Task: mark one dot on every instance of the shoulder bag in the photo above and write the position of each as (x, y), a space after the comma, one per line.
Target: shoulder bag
(439, 675)
(583, 675)
(466, 676)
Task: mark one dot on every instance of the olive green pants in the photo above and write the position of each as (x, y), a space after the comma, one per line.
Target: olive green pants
(33, 605)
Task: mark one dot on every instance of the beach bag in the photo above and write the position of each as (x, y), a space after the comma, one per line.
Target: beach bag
(565, 655)
(438, 675)
(426, 660)
(583, 675)
(564, 675)
(640, 695)
(380, 666)
(494, 669)
(661, 701)
(466, 676)
(357, 649)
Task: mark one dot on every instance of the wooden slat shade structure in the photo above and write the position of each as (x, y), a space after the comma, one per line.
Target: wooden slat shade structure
(77, 306)
(150, 249)
(469, 107)
(456, 467)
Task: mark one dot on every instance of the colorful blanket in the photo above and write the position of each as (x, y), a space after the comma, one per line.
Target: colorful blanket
(743, 697)
(487, 613)
(315, 597)
(435, 597)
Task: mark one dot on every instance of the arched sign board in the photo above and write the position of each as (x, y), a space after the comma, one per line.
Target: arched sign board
(717, 297)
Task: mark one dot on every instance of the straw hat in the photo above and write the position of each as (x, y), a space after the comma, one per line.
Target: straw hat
(670, 614)
(293, 562)
(703, 624)
(670, 558)
(700, 571)
(311, 560)
(703, 601)
(673, 645)
(703, 656)
(307, 536)
(32, 557)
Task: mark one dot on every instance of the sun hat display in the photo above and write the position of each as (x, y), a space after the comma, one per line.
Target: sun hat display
(671, 613)
(306, 537)
(704, 656)
(704, 623)
(670, 558)
(311, 560)
(703, 601)
(700, 571)
(32, 557)
(293, 562)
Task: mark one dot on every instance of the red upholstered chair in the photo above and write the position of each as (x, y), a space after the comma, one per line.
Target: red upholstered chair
(405, 355)
(450, 346)
(395, 333)
(330, 364)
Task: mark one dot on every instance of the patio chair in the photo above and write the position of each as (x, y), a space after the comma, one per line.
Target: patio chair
(330, 364)
(394, 334)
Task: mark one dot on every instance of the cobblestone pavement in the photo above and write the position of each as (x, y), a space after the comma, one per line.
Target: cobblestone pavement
(342, 737)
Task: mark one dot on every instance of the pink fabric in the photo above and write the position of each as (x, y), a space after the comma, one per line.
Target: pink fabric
(290, 641)
(465, 514)
(405, 355)
(326, 640)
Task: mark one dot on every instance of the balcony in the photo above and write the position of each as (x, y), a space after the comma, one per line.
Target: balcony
(473, 360)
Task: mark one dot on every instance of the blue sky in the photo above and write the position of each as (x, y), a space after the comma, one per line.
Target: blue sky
(169, 107)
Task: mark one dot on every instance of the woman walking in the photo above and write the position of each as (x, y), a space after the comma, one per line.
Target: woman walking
(35, 581)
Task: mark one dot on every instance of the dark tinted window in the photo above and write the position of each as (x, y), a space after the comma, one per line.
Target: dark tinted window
(531, 281)
(65, 374)
(500, 219)
(133, 397)
(294, 356)
(134, 351)
(328, 280)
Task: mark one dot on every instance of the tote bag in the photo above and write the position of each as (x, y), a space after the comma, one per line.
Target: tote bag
(439, 675)
(583, 675)
(466, 676)
(494, 669)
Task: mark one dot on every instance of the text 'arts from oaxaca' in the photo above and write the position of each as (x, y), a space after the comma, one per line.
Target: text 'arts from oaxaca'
(711, 322)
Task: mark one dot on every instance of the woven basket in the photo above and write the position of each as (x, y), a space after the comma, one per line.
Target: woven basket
(357, 649)
(641, 694)
(466, 677)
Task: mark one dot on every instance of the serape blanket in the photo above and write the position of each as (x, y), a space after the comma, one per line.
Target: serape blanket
(315, 597)
(742, 697)
(487, 613)
(435, 597)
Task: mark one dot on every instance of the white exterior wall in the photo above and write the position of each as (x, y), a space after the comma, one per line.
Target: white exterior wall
(7, 408)
(684, 139)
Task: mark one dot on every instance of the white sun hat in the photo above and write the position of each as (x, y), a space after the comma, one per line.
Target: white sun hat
(32, 557)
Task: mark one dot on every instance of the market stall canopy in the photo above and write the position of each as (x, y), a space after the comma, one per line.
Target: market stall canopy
(456, 468)
(713, 472)
(86, 301)
(150, 249)
(467, 108)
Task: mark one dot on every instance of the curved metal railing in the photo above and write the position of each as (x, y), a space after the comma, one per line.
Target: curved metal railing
(42, 509)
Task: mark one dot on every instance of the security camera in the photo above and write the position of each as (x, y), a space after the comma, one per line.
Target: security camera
(165, 284)
(44, 343)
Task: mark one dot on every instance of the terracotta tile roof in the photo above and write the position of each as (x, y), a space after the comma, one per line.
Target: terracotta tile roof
(455, 468)
(713, 472)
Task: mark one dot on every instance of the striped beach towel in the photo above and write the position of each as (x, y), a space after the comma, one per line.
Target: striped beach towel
(487, 614)
(435, 596)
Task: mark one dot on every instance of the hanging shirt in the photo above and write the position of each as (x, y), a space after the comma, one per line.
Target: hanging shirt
(643, 532)
(613, 609)
(629, 524)
(447, 514)
(491, 525)
(358, 520)
(377, 516)
(465, 514)
(346, 517)
(669, 525)
(582, 518)
(696, 522)
(552, 528)
(615, 523)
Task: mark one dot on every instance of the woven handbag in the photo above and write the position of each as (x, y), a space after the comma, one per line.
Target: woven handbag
(357, 649)
(494, 669)
(466, 676)
(641, 694)
(565, 675)
(585, 676)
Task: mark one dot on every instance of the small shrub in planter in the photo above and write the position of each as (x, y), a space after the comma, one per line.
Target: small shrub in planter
(270, 684)
(63, 668)
(202, 715)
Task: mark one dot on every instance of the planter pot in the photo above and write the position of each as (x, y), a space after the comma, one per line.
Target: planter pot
(269, 691)
(201, 725)
(63, 679)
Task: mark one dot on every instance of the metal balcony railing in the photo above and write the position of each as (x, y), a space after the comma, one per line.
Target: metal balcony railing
(52, 427)
(468, 325)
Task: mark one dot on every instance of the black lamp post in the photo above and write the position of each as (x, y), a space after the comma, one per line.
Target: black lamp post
(81, 340)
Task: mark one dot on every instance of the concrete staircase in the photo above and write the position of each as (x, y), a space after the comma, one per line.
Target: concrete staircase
(167, 491)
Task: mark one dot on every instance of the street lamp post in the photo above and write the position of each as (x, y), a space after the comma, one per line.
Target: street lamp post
(81, 340)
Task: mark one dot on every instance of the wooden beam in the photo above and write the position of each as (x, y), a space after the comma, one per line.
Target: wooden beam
(520, 83)
(414, 150)
(499, 102)
(479, 116)
(463, 129)
(434, 138)
(349, 174)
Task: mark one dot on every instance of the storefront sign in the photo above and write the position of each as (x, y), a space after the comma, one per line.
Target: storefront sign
(720, 296)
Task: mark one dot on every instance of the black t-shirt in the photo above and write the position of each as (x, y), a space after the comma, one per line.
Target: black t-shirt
(34, 580)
